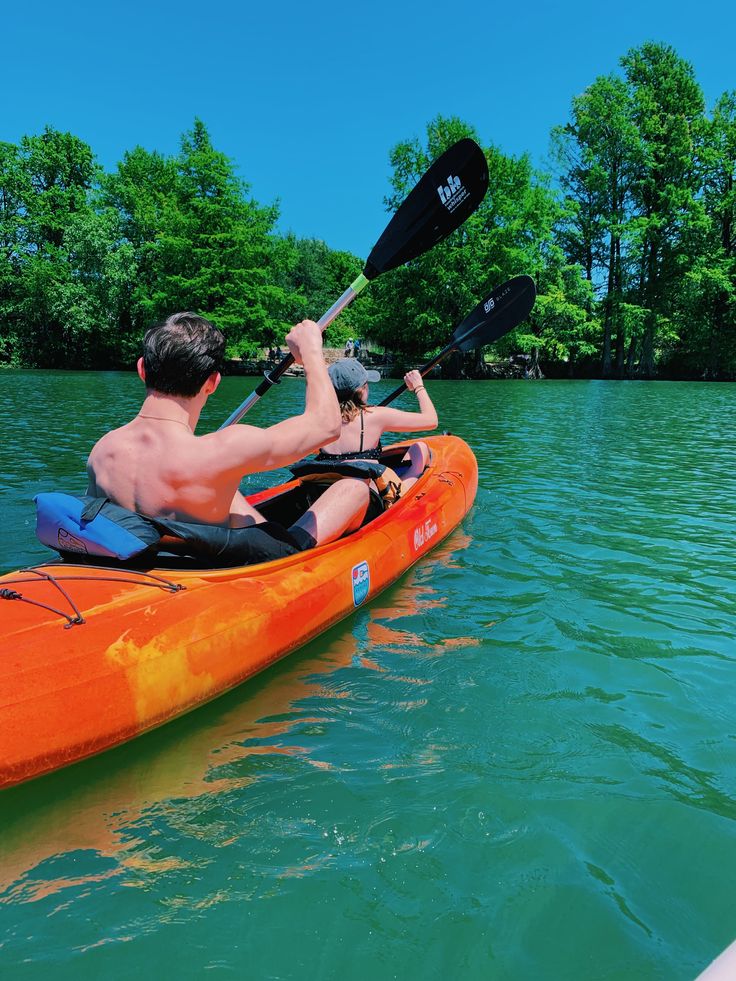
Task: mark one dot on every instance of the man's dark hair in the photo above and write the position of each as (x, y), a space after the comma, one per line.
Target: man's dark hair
(181, 353)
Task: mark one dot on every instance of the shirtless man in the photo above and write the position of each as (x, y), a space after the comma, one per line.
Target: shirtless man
(155, 465)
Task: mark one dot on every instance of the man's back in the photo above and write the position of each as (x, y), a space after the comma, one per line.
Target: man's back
(159, 468)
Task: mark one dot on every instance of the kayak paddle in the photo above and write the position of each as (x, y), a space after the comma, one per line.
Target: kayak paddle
(502, 310)
(447, 194)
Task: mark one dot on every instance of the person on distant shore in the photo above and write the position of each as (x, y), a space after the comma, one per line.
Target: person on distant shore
(349, 347)
(156, 466)
(363, 425)
(356, 348)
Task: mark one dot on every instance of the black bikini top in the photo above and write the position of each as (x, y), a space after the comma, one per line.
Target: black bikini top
(360, 454)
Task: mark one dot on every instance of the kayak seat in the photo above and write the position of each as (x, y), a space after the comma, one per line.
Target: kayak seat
(385, 482)
(89, 529)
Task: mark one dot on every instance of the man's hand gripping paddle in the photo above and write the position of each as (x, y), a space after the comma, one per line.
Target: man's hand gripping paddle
(502, 310)
(447, 194)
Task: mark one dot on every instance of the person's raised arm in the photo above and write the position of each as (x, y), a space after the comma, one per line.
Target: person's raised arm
(398, 421)
(251, 449)
(321, 409)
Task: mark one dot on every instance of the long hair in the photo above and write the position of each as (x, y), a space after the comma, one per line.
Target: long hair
(351, 402)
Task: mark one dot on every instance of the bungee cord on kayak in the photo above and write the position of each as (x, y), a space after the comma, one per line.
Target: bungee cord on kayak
(55, 579)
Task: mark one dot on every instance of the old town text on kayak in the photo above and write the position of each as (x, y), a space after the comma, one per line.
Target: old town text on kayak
(424, 533)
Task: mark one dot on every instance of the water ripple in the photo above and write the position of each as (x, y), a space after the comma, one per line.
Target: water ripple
(518, 762)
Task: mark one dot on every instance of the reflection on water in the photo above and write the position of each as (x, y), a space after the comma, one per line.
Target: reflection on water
(518, 762)
(103, 805)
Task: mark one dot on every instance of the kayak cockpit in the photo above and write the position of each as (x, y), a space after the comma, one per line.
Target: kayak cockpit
(96, 531)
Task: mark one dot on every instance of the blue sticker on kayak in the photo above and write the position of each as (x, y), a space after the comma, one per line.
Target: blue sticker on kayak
(361, 582)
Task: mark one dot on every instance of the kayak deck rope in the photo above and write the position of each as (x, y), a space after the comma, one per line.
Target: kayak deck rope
(445, 474)
(41, 575)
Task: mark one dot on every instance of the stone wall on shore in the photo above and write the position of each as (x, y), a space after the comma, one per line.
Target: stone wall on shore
(388, 366)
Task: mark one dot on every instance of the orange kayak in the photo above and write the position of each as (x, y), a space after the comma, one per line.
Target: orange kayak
(92, 657)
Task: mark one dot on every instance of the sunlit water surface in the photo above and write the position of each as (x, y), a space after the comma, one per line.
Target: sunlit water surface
(517, 763)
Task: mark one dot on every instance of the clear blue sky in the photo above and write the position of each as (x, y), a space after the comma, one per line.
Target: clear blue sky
(308, 98)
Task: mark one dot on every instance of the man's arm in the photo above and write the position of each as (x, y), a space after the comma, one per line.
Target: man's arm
(250, 450)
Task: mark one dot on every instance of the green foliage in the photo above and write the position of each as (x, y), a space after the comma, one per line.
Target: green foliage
(600, 151)
(200, 242)
(648, 183)
(10, 250)
(561, 328)
(634, 255)
(706, 308)
(315, 276)
(53, 315)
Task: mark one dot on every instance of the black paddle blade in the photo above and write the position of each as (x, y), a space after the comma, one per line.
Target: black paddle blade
(444, 197)
(502, 310)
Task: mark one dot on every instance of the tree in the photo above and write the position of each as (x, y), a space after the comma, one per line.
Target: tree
(560, 331)
(58, 307)
(601, 151)
(199, 242)
(668, 111)
(11, 233)
(635, 215)
(706, 316)
(315, 276)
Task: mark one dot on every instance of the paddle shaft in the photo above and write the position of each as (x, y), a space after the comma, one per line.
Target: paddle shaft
(454, 345)
(274, 377)
(424, 370)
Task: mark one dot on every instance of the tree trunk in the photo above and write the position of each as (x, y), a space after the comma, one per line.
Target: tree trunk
(534, 370)
(715, 341)
(452, 366)
(646, 360)
(474, 364)
(606, 366)
(620, 327)
(631, 358)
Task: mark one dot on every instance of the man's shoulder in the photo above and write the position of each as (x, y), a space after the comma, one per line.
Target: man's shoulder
(109, 438)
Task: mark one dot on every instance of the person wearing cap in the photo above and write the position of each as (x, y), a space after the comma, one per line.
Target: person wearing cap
(363, 425)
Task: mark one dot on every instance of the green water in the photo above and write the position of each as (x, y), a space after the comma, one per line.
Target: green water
(518, 763)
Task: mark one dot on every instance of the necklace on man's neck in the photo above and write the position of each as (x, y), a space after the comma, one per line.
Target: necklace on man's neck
(144, 415)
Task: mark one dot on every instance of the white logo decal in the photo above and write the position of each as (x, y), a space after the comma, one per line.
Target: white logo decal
(489, 304)
(424, 533)
(453, 193)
